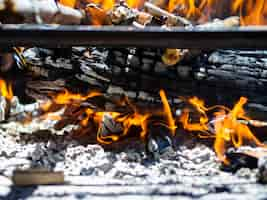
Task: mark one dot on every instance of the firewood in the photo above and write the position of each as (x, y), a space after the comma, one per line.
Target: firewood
(122, 14)
(134, 71)
(37, 177)
(38, 11)
(172, 19)
(233, 21)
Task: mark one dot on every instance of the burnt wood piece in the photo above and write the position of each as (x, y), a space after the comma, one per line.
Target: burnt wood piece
(140, 74)
(227, 72)
(125, 36)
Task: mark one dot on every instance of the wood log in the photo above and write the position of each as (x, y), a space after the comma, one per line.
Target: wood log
(38, 11)
(172, 19)
(140, 74)
(37, 177)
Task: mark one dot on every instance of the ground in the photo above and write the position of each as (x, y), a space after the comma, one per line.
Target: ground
(122, 171)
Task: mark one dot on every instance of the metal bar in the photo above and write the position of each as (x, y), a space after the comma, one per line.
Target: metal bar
(119, 36)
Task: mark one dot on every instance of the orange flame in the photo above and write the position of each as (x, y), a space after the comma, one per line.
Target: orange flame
(135, 3)
(252, 12)
(69, 3)
(134, 118)
(67, 97)
(228, 130)
(230, 126)
(105, 4)
(6, 90)
(167, 112)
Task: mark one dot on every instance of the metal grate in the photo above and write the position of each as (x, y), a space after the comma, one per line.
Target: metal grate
(119, 36)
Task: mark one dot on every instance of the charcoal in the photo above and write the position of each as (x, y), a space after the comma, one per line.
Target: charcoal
(228, 72)
(262, 170)
(159, 144)
(238, 160)
(109, 126)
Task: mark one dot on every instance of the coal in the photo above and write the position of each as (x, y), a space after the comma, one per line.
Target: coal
(239, 160)
(159, 142)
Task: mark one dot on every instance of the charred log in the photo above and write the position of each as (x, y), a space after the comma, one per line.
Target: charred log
(221, 76)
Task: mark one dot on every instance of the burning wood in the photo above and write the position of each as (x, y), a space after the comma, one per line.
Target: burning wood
(229, 128)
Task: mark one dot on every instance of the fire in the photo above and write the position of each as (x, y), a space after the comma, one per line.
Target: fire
(6, 90)
(105, 4)
(251, 12)
(67, 97)
(167, 112)
(224, 124)
(228, 126)
(135, 3)
(132, 118)
(69, 3)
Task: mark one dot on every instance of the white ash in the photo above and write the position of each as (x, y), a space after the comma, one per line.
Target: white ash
(128, 165)
(191, 172)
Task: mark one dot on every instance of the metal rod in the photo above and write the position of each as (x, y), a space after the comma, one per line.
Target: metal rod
(119, 36)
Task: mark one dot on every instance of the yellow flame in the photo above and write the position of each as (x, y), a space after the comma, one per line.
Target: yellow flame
(252, 12)
(167, 112)
(69, 3)
(6, 90)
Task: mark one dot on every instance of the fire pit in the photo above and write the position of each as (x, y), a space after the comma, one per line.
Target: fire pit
(146, 105)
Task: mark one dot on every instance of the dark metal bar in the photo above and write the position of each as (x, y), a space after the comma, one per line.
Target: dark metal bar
(119, 36)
